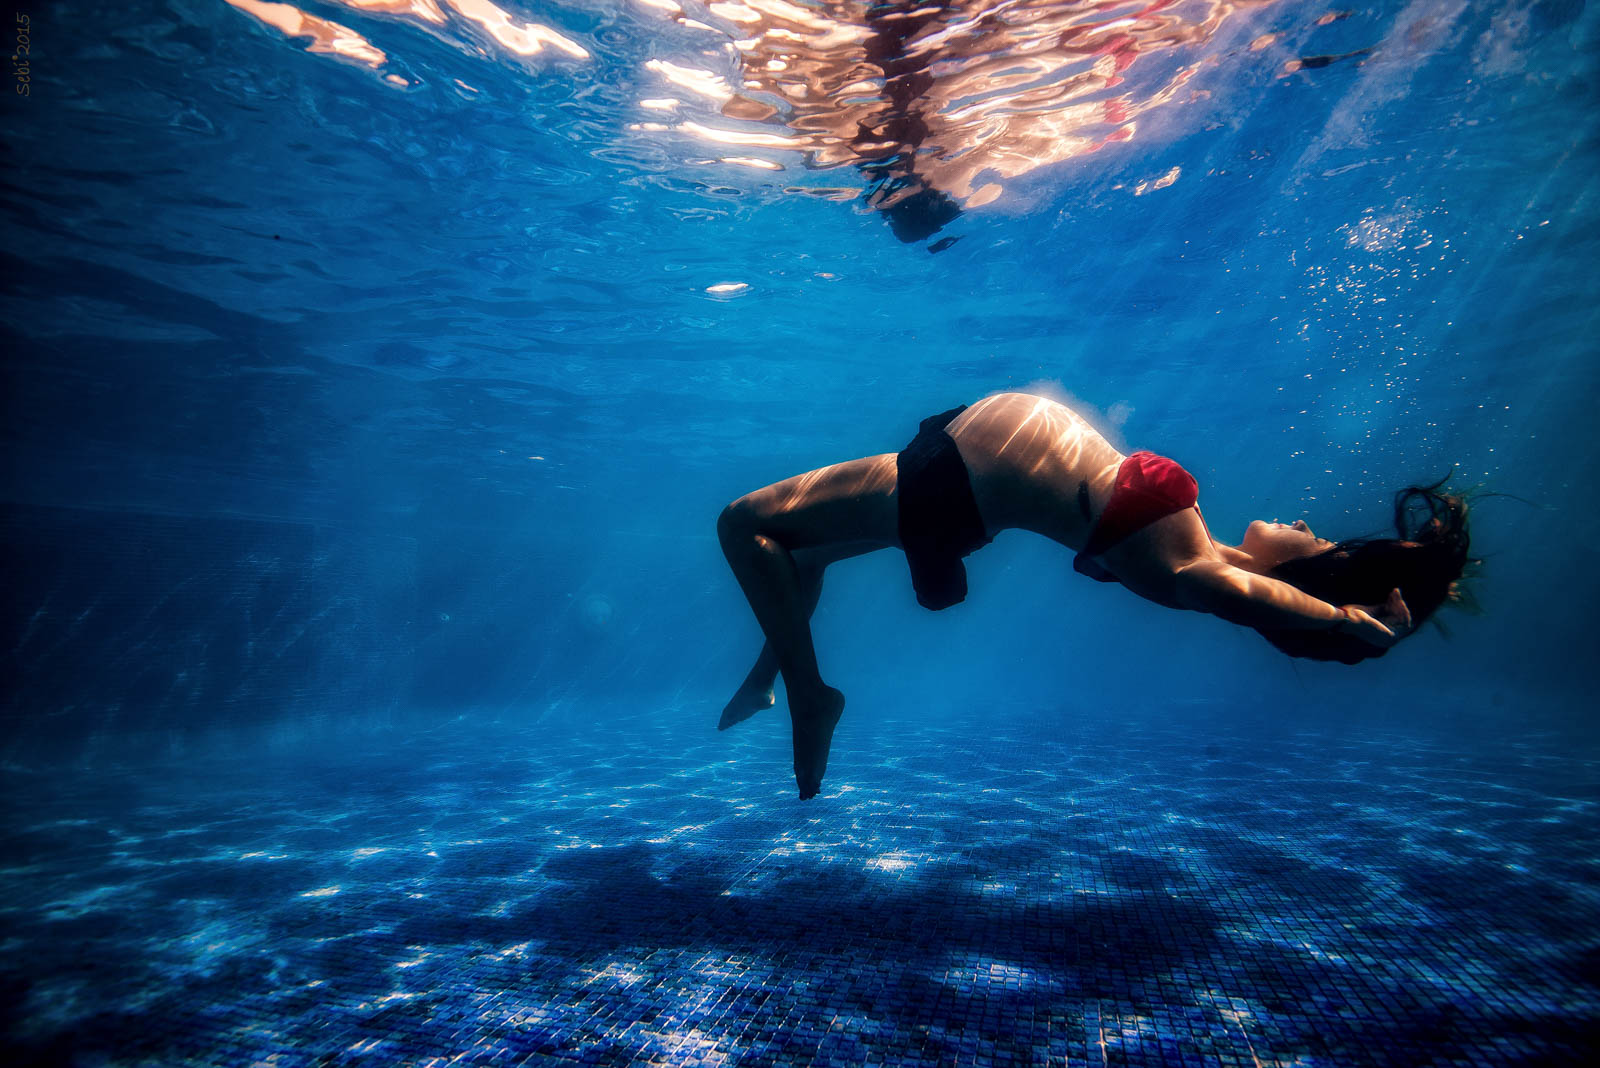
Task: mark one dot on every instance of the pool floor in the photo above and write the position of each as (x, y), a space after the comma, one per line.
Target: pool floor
(1021, 892)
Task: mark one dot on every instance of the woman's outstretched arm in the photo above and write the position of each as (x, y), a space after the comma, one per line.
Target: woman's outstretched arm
(1252, 600)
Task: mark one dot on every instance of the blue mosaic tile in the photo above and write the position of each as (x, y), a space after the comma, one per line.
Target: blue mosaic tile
(547, 897)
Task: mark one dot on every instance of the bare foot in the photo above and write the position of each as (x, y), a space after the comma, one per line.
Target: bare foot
(813, 717)
(743, 705)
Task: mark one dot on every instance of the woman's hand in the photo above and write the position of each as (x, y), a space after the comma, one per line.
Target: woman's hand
(1377, 624)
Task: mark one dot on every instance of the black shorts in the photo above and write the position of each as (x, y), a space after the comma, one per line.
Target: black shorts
(938, 516)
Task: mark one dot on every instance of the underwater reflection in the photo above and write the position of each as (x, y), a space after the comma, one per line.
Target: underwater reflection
(326, 37)
(940, 104)
(471, 23)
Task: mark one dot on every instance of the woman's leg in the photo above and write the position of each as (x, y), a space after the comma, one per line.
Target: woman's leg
(755, 692)
(821, 516)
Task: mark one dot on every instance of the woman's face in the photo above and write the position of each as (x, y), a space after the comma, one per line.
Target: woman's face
(1270, 544)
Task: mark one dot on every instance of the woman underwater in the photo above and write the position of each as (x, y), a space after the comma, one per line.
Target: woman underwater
(1014, 460)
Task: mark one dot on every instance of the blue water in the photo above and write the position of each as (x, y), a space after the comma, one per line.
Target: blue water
(374, 375)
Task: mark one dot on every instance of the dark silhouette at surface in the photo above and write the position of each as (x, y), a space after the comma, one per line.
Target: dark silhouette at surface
(942, 106)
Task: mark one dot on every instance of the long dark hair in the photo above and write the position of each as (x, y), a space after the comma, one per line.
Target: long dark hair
(1425, 562)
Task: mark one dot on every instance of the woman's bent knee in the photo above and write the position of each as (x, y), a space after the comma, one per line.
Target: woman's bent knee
(740, 521)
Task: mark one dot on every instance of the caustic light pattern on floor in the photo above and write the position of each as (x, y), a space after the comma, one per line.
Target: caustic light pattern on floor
(542, 895)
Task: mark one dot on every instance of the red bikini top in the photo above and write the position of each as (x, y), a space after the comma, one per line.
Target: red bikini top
(1148, 488)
